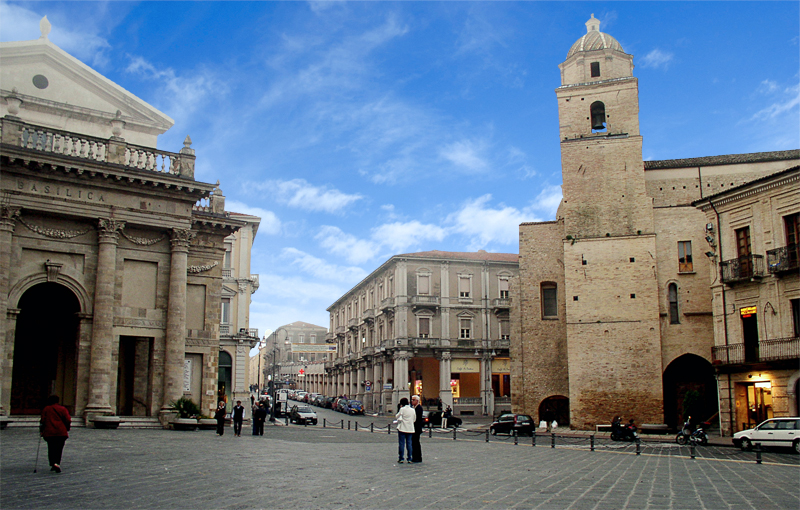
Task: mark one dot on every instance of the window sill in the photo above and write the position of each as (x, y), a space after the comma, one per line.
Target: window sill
(687, 272)
(549, 318)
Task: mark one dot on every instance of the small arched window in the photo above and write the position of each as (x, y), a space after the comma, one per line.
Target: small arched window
(672, 295)
(598, 116)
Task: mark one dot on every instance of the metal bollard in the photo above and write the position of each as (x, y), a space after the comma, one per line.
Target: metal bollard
(389, 429)
(287, 420)
(430, 432)
(305, 423)
(356, 426)
(487, 435)
(324, 423)
(454, 434)
(371, 427)
(516, 438)
(692, 444)
(533, 439)
(638, 446)
(348, 424)
(758, 453)
(552, 440)
(591, 443)
(342, 424)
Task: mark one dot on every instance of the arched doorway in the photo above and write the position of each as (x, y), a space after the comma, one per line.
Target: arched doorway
(225, 378)
(559, 405)
(45, 348)
(689, 389)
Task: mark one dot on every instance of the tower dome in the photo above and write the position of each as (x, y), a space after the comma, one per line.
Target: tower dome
(594, 39)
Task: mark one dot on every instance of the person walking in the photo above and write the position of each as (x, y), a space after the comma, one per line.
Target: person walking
(237, 415)
(54, 429)
(416, 447)
(220, 417)
(259, 417)
(405, 430)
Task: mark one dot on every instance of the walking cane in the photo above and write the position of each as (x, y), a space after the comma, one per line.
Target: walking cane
(38, 445)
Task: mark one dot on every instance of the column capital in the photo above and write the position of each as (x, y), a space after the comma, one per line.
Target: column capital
(8, 218)
(180, 238)
(108, 230)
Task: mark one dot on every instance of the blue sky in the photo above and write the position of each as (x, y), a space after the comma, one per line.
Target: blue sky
(361, 130)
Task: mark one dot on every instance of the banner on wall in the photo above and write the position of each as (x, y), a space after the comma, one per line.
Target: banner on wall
(298, 348)
(187, 375)
(501, 366)
(465, 366)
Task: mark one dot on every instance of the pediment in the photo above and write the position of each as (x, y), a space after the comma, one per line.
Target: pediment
(227, 292)
(73, 96)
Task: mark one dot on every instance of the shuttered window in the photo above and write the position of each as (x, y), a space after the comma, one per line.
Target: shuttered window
(424, 284)
(424, 327)
(463, 286)
(504, 288)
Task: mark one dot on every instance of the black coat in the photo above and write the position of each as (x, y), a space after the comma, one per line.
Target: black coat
(418, 422)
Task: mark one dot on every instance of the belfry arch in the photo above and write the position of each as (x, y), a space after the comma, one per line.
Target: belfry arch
(45, 348)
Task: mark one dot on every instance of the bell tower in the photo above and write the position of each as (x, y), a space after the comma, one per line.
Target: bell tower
(611, 291)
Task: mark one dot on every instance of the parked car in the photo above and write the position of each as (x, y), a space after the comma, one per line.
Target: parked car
(435, 420)
(328, 402)
(341, 405)
(782, 432)
(303, 415)
(507, 423)
(299, 396)
(355, 407)
(318, 400)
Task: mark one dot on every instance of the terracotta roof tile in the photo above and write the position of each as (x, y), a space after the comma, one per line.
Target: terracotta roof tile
(728, 159)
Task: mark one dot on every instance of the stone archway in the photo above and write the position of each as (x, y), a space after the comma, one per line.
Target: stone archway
(559, 407)
(45, 348)
(689, 389)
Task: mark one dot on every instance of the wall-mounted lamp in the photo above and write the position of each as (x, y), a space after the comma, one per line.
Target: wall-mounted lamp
(710, 254)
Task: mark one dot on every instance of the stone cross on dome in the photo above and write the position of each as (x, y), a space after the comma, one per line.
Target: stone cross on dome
(593, 25)
(45, 27)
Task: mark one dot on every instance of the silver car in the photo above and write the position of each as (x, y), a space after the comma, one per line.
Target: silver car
(783, 432)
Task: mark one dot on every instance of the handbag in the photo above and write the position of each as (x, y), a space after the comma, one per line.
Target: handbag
(555, 425)
(542, 424)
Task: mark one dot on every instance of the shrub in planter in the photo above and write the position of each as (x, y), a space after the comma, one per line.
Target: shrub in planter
(185, 407)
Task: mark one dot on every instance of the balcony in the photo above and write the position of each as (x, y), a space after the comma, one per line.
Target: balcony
(352, 324)
(425, 302)
(501, 304)
(369, 316)
(224, 329)
(340, 330)
(765, 350)
(329, 365)
(426, 342)
(781, 260)
(227, 272)
(330, 338)
(500, 344)
(368, 351)
(387, 305)
(742, 269)
(255, 282)
(252, 332)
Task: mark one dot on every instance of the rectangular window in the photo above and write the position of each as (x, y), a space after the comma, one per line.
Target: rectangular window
(466, 327)
(505, 330)
(424, 327)
(792, 224)
(796, 316)
(743, 251)
(227, 262)
(685, 257)
(595, 69)
(423, 285)
(503, 288)
(463, 286)
(549, 300)
(302, 339)
(226, 311)
(313, 339)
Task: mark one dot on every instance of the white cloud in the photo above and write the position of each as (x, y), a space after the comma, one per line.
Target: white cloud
(83, 42)
(179, 95)
(787, 100)
(400, 236)
(319, 268)
(300, 194)
(270, 224)
(354, 250)
(657, 58)
(767, 87)
(466, 154)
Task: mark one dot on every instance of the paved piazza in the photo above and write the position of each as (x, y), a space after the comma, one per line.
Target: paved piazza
(299, 467)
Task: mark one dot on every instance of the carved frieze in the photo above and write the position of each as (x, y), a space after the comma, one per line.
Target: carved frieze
(143, 241)
(201, 269)
(136, 322)
(53, 232)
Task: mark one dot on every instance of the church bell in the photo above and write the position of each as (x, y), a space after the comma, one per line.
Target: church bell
(598, 113)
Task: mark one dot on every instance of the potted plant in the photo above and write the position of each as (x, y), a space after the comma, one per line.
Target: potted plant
(187, 411)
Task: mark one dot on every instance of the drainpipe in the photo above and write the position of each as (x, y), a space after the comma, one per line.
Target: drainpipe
(724, 314)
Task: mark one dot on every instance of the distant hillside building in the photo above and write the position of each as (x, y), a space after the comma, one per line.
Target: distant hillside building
(615, 314)
(431, 323)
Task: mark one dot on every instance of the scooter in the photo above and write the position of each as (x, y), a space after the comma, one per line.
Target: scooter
(621, 432)
(686, 434)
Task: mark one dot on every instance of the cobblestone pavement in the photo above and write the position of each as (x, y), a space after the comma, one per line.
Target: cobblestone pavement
(299, 467)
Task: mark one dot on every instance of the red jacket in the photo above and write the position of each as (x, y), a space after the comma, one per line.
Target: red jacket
(55, 421)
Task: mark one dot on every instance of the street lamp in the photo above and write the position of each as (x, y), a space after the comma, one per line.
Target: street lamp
(274, 364)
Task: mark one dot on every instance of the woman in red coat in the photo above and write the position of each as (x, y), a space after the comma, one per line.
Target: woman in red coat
(54, 428)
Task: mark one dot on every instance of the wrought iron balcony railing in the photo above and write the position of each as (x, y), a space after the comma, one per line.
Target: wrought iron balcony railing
(783, 259)
(765, 350)
(742, 268)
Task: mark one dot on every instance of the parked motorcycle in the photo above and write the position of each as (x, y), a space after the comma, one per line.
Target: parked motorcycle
(620, 432)
(687, 434)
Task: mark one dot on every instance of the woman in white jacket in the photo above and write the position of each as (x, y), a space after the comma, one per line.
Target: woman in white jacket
(405, 428)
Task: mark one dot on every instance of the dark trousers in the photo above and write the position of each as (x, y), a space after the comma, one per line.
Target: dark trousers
(416, 447)
(55, 446)
(404, 440)
(255, 426)
(260, 427)
(220, 427)
(237, 427)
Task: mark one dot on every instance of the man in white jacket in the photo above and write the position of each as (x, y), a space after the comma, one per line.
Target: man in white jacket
(405, 429)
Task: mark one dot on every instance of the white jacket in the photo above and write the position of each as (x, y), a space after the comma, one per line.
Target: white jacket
(405, 419)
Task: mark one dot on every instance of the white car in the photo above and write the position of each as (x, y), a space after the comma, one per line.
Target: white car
(773, 432)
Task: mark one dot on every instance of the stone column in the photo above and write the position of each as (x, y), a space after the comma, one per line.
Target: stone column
(386, 395)
(7, 223)
(445, 391)
(8, 359)
(486, 385)
(377, 385)
(84, 361)
(175, 351)
(103, 321)
(400, 376)
(359, 381)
